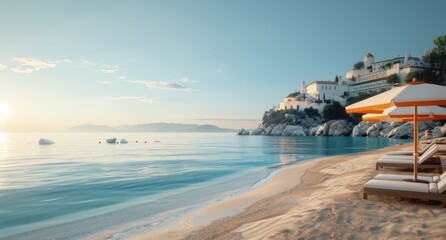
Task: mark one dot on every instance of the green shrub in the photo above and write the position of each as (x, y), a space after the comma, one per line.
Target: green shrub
(334, 111)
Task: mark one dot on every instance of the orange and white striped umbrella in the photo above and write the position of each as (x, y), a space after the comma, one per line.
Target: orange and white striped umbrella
(406, 114)
(408, 95)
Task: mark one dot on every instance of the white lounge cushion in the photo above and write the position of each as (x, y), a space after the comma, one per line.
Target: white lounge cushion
(394, 161)
(398, 185)
(433, 188)
(441, 185)
(395, 177)
(436, 179)
(397, 157)
(400, 153)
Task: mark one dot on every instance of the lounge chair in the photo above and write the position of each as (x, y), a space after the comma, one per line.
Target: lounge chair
(404, 189)
(394, 177)
(410, 153)
(425, 161)
(406, 155)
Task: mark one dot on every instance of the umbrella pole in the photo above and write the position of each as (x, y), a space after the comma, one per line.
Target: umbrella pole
(415, 153)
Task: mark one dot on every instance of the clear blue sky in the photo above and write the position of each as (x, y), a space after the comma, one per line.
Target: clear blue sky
(65, 63)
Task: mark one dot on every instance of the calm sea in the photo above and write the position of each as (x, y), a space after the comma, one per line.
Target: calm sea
(78, 186)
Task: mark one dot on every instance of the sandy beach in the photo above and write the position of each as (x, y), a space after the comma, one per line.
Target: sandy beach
(320, 199)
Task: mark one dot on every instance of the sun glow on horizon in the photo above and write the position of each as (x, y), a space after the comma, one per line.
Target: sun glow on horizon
(5, 111)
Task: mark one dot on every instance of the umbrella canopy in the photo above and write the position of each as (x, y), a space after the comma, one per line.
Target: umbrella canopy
(406, 114)
(413, 94)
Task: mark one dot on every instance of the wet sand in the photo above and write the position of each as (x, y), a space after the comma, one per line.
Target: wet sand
(320, 199)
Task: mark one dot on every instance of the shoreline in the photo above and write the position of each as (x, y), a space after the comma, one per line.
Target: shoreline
(294, 194)
(280, 181)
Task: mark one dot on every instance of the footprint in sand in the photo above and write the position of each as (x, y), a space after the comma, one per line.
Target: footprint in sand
(375, 228)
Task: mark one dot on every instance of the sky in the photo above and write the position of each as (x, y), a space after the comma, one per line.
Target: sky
(66, 63)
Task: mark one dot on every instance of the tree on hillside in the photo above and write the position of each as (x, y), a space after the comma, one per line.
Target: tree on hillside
(294, 94)
(311, 112)
(410, 76)
(358, 65)
(427, 75)
(393, 78)
(334, 111)
(437, 56)
(336, 79)
(362, 96)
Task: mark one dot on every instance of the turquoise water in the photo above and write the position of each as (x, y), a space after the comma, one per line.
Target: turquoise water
(78, 187)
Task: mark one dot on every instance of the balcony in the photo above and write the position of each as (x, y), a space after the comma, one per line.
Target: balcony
(372, 76)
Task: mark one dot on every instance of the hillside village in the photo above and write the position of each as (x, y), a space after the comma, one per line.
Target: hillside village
(318, 107)
(370, 76)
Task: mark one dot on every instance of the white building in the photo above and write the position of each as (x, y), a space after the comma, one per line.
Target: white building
(327, 90)
(299, 103)
(373, 76)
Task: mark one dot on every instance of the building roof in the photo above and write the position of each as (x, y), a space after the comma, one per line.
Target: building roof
(414, 58)
(388, 60)
(369, 55)
(323, 82)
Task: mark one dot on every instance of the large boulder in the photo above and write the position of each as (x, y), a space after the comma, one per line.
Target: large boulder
(360, 130)
(373, 131)
(439, 131)
(44, 141)
(257, 131)
(403, 131)
(324, 129)
(277, 130)
(423, 126)
(111, 140)
(314, 130)
(123, 141)
(339, 128)
(443, 129)
(387, 127)
(243, 132)
(269, 129)
(295, 130)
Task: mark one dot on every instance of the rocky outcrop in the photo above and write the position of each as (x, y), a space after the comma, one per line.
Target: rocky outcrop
(374, 130)
(387, 127)
(403, 131)
(268, 130)
(278, 129)
(123, 141)
(243, 132)
(310, 126)
(44, 141)
(324, 129)
(313, 130)
(257, 131)
(443, 129)
(439, 131)
(339, 128)
(360, 130)
(111, 140)
(295, 130)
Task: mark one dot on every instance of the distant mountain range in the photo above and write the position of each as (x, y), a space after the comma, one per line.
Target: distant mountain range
(151, 127)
